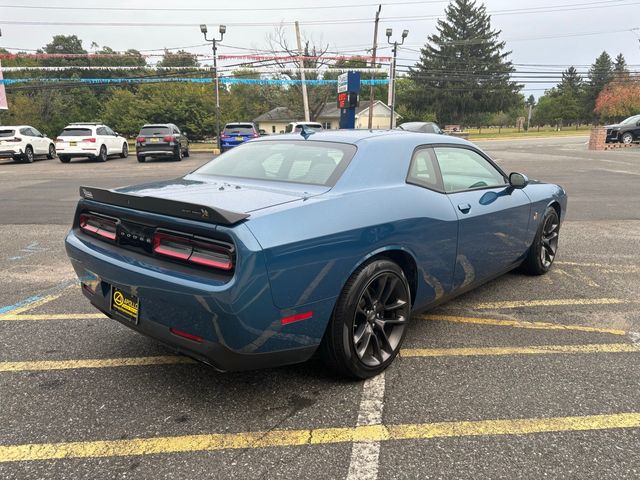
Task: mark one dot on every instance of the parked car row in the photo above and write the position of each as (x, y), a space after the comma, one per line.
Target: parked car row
(24, 143)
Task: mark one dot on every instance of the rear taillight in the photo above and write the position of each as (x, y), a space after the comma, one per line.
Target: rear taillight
(168, 138)
(140, 139)
(14, 139)
(103, 227)
(224, 136)
(59, 140)
(90, 140)
(192, 250)
(255, 135)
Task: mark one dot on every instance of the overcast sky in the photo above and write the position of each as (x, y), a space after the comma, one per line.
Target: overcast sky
(550, 32)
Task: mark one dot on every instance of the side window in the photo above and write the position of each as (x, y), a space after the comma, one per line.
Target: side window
(101, 131)
(176, 130)
(26, 131)
(109, 131)
(35, 132)
(423, 171)
(464, 169)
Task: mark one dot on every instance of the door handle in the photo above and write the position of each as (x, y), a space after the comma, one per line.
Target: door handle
(464, 207)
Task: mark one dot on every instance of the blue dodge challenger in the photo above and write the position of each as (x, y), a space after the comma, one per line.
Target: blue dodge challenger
(323, 241)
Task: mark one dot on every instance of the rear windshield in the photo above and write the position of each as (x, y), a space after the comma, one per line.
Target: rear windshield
(316, 163)
(238, 129)
(153, 130)
(6, 133)
(75, 132)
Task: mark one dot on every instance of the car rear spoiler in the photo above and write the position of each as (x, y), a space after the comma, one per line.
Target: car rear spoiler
(163, 206)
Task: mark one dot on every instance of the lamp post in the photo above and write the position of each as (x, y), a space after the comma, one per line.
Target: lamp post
(222, 29)
(392, 77)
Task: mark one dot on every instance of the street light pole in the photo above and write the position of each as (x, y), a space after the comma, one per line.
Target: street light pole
(214, 41)
(392, 86)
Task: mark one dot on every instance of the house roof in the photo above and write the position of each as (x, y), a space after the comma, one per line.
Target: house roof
(331, 110)
(278, 114)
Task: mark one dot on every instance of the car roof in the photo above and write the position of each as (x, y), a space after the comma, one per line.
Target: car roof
(239, 123)
(157, 125)
(361, 136)
(7, 127)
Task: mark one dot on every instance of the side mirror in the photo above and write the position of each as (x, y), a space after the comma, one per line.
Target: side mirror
(518, 180)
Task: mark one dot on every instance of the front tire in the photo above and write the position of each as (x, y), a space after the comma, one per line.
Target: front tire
(141, 158)
(125, 150)
(102, 156)
(543, 250)
(28, 154)
(52, 152)
(369, 321)
(627, 138)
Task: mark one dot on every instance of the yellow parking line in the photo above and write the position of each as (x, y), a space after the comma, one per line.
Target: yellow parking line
(521, 324)
(92, 363)
(549, 303)
(11, 317)
(535, 350)
(318, 436)
(407, 352)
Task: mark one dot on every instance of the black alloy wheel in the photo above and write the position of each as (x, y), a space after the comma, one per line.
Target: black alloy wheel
(380, 319)
(28, 154)
(369, 321)
(550, 234)
(52, 152)
(544, 248)
(102, 156)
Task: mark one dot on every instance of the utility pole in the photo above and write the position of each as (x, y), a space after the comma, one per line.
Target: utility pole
(222, 30)
(392, 78)
(305, 99)
(373, 65)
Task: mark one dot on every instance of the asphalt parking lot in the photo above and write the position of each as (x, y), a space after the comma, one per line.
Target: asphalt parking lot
(523, 378)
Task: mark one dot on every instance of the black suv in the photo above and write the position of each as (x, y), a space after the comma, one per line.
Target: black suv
(164, 139)
(627, 131)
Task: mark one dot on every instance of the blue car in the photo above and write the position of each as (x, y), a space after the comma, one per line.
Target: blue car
(237, 133)
(294, 243)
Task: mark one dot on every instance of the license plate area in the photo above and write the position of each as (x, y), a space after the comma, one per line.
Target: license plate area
(73, 144)
(125, 304)
(155, 140)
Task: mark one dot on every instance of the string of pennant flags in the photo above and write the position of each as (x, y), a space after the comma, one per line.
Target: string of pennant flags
(283, 58)
(258, 69)
(222, 80)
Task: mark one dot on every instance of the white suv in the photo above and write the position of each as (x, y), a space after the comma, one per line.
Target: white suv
(92, 140)
(23, 143)
(295, 127)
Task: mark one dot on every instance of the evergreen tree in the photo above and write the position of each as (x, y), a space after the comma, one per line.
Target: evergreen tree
(464, 72)
(600, 74)
(620, 69)
(571, 83)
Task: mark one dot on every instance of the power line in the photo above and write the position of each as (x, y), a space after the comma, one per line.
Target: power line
(340, 21)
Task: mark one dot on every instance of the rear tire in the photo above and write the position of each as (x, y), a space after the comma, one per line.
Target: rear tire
(52, 152)
(102, 156)
(369, 321)
(543, 250)
(64, 159)
(186, 153)
(177, 156)
(125, 150)
(140, 159)
(28, 154)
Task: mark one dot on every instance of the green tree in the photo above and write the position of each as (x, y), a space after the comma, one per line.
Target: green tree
(600, 74)
(178, 59)
(620, 69)
(464, 72)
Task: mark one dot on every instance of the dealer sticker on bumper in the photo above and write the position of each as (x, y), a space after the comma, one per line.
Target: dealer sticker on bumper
(125, 304)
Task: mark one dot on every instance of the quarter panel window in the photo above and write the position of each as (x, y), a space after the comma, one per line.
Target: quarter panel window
(464, 169)
(423, 170)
